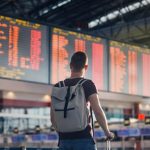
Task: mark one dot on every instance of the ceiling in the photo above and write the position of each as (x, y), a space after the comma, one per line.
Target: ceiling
(80, 14)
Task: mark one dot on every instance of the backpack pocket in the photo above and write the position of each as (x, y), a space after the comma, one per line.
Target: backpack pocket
(72, 123)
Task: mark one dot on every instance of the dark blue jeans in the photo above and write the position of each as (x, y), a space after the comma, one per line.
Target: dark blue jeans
(77, 144)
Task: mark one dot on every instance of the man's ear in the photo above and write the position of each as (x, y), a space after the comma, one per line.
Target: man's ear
(86, 67)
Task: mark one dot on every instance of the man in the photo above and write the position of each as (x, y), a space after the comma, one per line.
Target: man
(82, 140)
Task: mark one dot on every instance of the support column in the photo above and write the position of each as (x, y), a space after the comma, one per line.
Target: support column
(137, 111)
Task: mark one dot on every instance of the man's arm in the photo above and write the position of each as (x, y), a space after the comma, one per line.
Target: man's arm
(99, 114)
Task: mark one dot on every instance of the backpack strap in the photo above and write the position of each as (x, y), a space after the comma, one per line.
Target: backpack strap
(62, 83)
(66, 102)
(81, 81)
(59, 84)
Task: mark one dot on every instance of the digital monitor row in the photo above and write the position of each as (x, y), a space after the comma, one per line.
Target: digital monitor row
(24, 50)
(32, 52)
(129, 69)
(65, 43)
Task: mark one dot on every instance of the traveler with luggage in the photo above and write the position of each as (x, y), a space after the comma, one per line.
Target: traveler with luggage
(71, 108)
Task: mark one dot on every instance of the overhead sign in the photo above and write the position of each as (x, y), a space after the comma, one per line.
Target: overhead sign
(65, 43)
(24, 50)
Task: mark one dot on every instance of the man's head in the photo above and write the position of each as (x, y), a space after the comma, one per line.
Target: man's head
(79, 61)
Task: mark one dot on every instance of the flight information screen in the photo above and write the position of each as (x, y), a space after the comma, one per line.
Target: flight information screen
(129, 69)
(65, 43)
(23, 50)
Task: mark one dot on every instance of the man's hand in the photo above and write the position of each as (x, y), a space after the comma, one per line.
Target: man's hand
(110, 136)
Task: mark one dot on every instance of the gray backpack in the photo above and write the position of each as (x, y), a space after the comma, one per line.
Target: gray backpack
(69, 107)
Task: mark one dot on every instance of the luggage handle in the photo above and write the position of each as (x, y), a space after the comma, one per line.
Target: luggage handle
(108, 145)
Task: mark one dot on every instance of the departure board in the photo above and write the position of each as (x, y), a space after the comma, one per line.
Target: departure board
(23, 50)
(129, 69)
(65, 43)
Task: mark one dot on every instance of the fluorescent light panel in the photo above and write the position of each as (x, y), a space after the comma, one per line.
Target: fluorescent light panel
(117, 13)
(61, 4)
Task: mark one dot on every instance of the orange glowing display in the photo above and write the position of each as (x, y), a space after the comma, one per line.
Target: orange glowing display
(132, 72)
(117, 73)
(129, 69)
(146, 74)
(65, 43)
(23, 50)
(97, 64)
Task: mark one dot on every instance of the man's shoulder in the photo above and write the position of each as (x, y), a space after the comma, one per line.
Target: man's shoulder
(62, 82)
(88, 81)
(57, 84)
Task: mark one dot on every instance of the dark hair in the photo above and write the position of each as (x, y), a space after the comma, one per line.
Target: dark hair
(78, 61)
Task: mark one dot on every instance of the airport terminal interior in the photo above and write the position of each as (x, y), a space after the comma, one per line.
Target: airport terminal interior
(37, 40)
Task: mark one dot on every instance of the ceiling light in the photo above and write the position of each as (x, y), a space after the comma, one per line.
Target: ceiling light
(116, 13)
